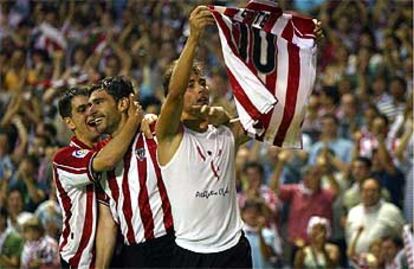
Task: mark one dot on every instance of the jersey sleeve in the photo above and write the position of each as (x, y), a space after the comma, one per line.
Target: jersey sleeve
(73, 166)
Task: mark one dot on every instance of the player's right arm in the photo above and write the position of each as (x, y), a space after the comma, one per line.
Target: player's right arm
(168, 125)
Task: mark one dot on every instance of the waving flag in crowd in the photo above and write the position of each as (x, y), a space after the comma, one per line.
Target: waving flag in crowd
(270, 57)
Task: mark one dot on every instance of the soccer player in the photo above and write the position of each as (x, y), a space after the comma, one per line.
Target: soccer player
(75, 168)
(138, 200)
(197, 161)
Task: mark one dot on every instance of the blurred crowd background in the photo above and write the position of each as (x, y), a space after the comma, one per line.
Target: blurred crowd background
(341, 201)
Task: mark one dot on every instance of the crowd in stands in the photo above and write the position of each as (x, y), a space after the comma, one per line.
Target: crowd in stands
(342, 200)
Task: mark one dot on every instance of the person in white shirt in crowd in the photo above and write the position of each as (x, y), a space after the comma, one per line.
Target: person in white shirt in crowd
(378, 218)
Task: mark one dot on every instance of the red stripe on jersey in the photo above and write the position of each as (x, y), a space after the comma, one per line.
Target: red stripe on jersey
(67, 205)
(113, 186)
(87, 227)
(200, 153)
(271, 21)
(126, 206)
(291, 94)
(143, 198)
(242, 98)
(259, 7)
(288, 33)
(231, 11)
(166, 206)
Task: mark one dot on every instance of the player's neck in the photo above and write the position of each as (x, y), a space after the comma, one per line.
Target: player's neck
(197, 125)
(119, 127)
(85, 140)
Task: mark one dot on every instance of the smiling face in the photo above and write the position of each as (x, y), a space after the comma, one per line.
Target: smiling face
(104, 112)
(77, 122)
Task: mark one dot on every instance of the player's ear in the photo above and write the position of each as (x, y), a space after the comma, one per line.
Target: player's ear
(69, 122)
(123, 104)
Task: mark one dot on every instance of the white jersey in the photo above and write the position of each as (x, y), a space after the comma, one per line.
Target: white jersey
(76, 195)
(200, 181)
(137, 196)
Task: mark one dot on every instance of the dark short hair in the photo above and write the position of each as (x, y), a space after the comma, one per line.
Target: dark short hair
(254, 165)
(331, 116)
(397, 240)
(332, 93)
(118, 87)
(197, 69)
(254, 204)
(367, 162)
(3, 212)
(384, 117)
(401, 81)
(65, 102)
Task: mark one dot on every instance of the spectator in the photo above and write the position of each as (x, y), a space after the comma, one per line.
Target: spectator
(329, 138)
(39, 250)
(11, 243)
(256, 189)
(361, 169)
(265, 244)
(392, 253)
(318, 253)
(378, 218)
(305, 200)
(350, 116)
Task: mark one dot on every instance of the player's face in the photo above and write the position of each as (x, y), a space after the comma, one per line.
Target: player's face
(197, 93)
(104, 113)
(78, 120)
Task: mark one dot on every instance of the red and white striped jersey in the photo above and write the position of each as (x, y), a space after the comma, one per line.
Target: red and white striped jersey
(270, 57)
(74, 180)
(137, 196)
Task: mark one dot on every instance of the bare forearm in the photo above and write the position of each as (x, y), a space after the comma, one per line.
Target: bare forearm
(169, 120)
(399, 151)
(105, 238)
(113, 152)
(275, 179)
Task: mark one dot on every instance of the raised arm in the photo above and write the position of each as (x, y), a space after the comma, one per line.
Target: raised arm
(167, 129)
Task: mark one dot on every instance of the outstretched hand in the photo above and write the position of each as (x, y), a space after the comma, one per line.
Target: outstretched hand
(318, 30)
(200, 17)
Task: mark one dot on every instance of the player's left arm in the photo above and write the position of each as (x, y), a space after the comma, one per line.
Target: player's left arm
(105, 237)
(239, 133)
(217, 115)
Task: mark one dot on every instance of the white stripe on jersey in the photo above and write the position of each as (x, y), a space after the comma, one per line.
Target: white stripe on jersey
(77, 198)
(142, 213)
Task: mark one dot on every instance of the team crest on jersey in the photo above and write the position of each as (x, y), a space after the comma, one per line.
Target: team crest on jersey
(80, 153)
(140, 153)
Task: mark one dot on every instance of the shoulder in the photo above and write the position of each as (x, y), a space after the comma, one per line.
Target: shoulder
(356, 211)
(73, 157)
(62, 153)
(390, 208)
